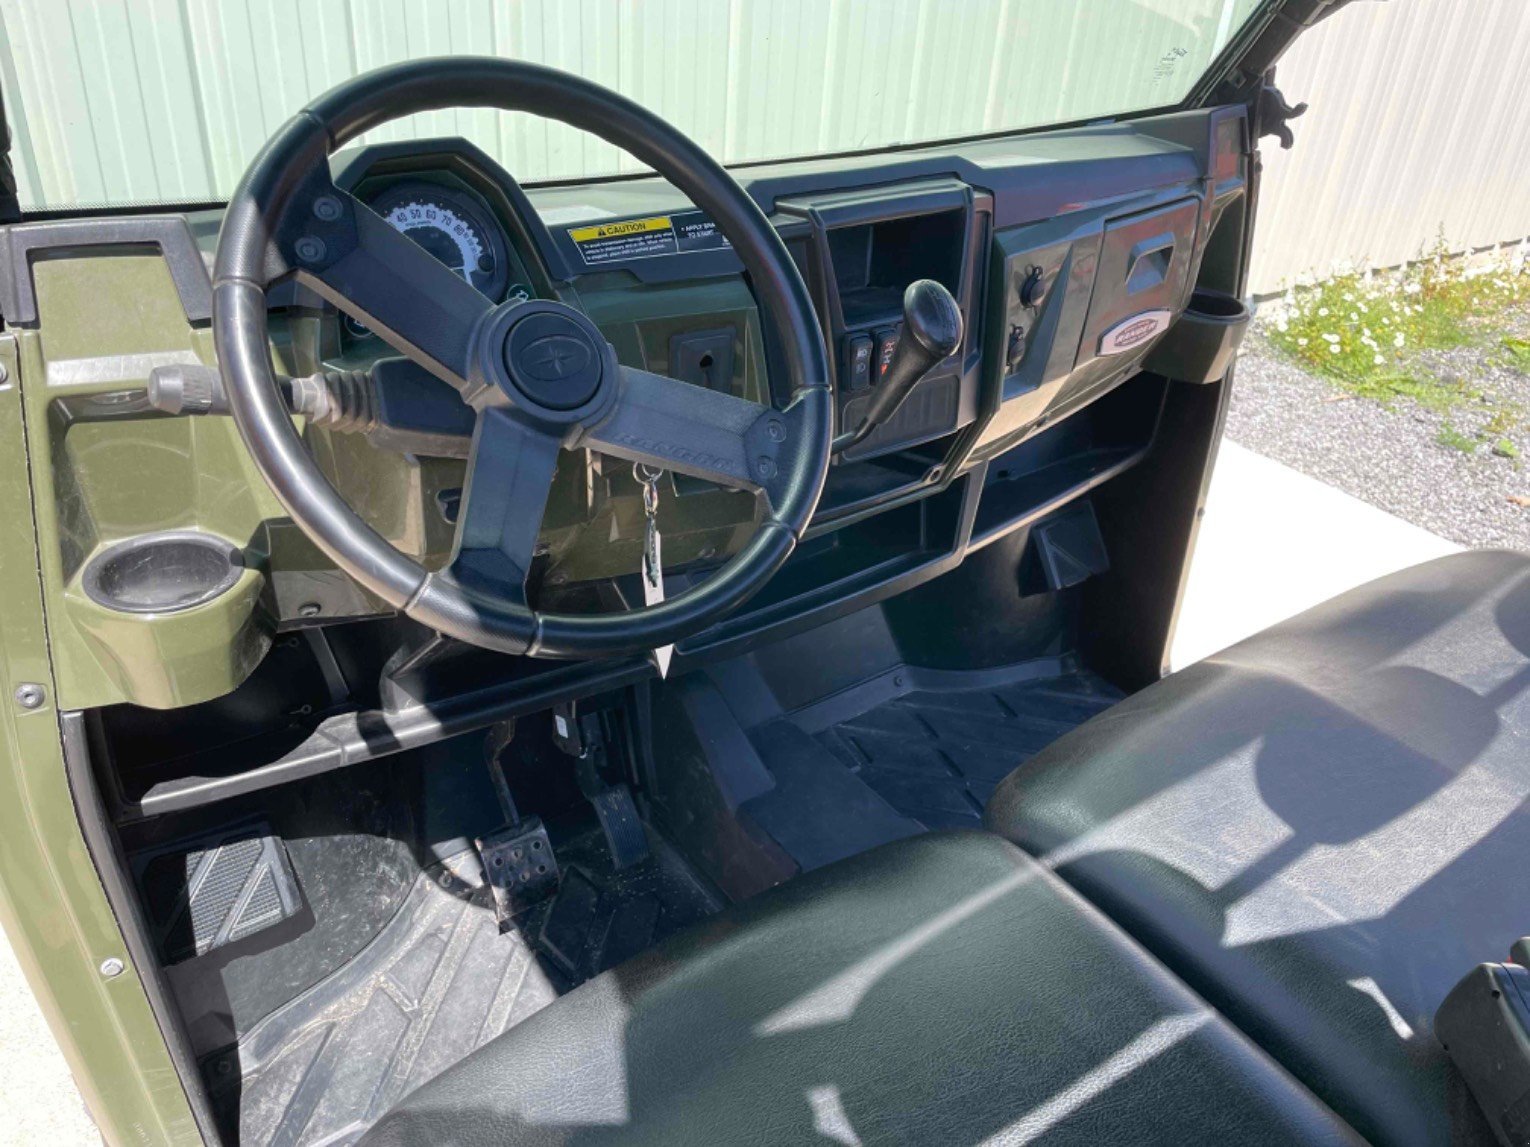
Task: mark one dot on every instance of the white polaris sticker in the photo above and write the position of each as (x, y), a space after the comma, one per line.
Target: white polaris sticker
(574, 213)
(1133, 332)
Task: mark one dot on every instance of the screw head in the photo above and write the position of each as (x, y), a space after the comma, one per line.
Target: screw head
(111, 967)
(327, 208)
(775, 431)
(309, 609)
(765, 468)
(29, 695)
(309, 249)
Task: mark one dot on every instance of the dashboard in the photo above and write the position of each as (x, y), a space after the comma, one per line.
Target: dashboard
(1072, 255)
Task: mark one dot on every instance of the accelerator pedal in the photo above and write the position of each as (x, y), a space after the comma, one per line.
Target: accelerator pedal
(619, 821)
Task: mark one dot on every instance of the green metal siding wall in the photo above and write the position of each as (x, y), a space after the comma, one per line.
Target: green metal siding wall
(123, 100)
(1419, 128)
(1417, 125)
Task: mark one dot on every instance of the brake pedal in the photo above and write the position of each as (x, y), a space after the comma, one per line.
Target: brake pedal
(520, 867)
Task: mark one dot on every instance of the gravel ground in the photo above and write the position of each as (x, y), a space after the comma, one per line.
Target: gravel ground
(1388, 455)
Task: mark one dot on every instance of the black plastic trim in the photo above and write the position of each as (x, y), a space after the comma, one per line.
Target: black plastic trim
(353, 738)
(355, 166)
(170, 233)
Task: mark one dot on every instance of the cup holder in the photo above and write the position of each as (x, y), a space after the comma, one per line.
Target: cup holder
(1201, 344)
(162, 573)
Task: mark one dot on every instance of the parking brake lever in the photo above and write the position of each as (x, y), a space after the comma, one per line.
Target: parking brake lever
(932, 330)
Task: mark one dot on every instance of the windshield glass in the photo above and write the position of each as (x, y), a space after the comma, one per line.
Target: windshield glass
(120, 102)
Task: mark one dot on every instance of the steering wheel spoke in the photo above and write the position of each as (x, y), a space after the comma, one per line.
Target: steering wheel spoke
(354, 258)
(672, 425)
(509, 476)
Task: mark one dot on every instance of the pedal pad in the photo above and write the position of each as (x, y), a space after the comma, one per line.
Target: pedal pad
(619, 821)
(520, 867)
(215, 889)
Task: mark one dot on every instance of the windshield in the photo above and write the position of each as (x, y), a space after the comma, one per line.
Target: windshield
(145, 101)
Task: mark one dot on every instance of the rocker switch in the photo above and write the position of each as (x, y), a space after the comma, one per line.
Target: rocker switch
(858, 351)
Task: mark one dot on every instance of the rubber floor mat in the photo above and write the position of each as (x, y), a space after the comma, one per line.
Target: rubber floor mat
(603, 916)
(937, 754)
(439, 981)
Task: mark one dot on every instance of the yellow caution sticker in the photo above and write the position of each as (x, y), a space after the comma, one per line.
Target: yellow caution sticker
(621, 229)
(621, 240)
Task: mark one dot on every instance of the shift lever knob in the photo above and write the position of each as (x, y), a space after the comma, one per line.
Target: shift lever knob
(932, 330)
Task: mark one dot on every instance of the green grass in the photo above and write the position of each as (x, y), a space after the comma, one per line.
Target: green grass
(1453, 439)
(1365, 333)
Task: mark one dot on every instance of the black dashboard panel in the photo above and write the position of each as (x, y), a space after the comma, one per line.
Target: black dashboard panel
(1077, 302)
(1098, 228)
(865, 248)
(1069, 253)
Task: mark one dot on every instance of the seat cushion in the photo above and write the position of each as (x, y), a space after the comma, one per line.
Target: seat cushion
(1320, 829)
(940, 989)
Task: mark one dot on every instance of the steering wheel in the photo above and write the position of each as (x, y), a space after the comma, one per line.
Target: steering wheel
(539, 374)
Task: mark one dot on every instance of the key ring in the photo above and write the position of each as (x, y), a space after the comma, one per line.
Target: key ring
(649, 478)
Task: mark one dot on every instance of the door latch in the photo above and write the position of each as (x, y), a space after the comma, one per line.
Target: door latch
(1274, 115)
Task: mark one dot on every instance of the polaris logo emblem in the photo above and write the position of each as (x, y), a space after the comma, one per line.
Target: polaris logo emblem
(1133, 332)
(553, 358)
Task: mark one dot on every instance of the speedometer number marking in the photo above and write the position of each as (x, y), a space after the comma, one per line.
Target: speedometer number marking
(408, 217)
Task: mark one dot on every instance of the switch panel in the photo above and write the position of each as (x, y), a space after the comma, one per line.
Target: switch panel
(858, 351)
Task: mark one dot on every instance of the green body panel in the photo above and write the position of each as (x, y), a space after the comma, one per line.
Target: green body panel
(108, 468)
(53, 907)
(111, 468)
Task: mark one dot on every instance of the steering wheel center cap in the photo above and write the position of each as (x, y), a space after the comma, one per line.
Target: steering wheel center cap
(553, 360)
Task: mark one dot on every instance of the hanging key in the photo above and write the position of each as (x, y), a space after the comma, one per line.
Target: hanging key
(653, 562)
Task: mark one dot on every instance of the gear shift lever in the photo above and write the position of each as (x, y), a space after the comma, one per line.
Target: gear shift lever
(932, 330)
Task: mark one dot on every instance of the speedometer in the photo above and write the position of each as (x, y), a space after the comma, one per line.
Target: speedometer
(454, 227)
